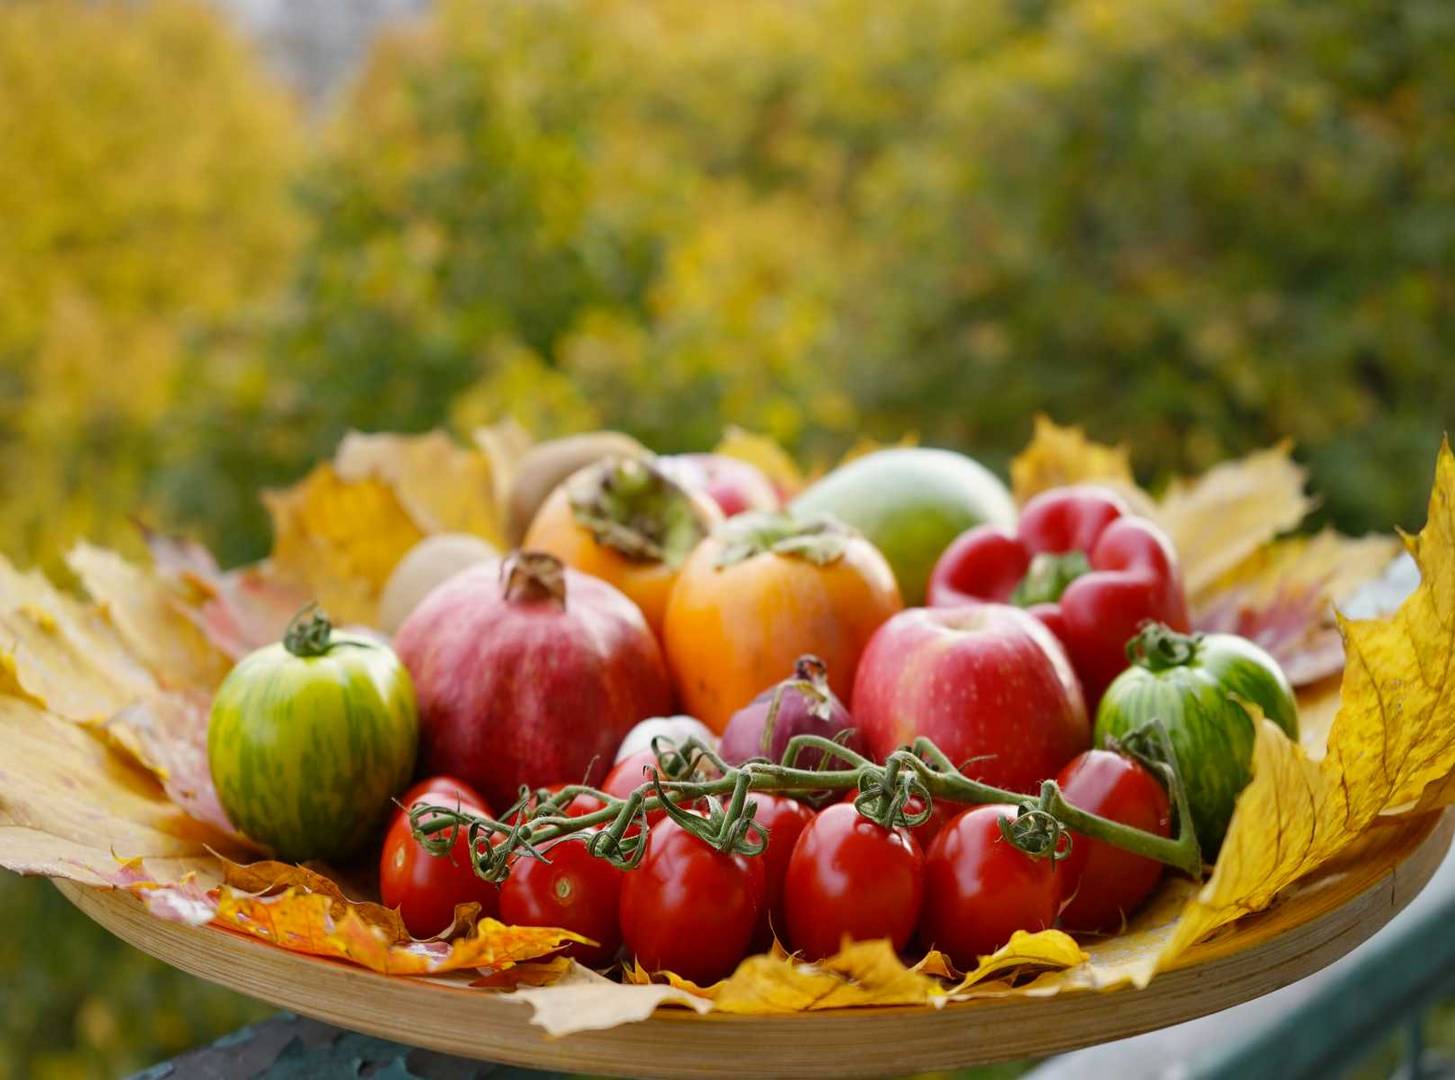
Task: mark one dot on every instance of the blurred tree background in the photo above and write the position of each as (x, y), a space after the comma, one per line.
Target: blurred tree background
(1194, 225)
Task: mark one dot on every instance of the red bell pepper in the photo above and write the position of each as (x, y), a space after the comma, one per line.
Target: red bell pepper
(1083, 564)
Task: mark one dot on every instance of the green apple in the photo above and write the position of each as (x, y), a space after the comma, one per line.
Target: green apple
(910, 502)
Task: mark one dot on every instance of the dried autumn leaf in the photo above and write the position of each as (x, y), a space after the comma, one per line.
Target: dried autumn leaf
(167, 734)
(442, 486)
(1392, 740)
(150, 617)
(1282, 597)
(305, 922)
(1058, 456)
(267, 877)
(582, 1000)
(340, 531)
(504, 444)
(237, 610)
(62, 654)
(69, 805)
(1044, 949)
(525, 973)
(1229, 512)
(1128, 958)
(77, 661)
(340, 540)
(862, 973)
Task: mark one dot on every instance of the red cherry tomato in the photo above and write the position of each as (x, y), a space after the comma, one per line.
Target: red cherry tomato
(424, 887)
(444, 791)
(579, 806)
(573, 890)
(785, 819)
(979, 889)
(942, 812)
(1101, 884)
(689, 908)
(629, 774)
(848, 877)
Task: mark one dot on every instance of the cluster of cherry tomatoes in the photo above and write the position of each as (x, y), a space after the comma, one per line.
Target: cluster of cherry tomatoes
(826, 876)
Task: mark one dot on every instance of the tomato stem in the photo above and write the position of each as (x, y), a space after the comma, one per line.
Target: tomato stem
(694, 773)
(309, 633)
(1158, 647)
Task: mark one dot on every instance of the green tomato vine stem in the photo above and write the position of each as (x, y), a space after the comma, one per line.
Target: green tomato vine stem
(694, 775)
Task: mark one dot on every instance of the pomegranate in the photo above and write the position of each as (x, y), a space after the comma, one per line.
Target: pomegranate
(528, 672)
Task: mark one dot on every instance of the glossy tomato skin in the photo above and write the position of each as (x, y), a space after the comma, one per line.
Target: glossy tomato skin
(424, 887)
(630, 773)
(446, 790)
(785, 819)
(979, 890)
(689, 908)
(848, 877)
(571, 889)
(942, 812)
(579, 806)
(307, 751)
(1100, 884)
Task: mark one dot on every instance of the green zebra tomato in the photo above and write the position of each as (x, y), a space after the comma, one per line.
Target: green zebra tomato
(1193, 684)
(308, 740)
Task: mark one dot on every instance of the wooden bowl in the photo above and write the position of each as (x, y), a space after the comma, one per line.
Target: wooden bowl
(1318, 921)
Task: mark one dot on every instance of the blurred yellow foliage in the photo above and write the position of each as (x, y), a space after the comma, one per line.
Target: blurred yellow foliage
(144, 163)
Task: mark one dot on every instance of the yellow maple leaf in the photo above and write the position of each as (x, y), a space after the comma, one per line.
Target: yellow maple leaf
(340, 539)
(63, 654)
(1282, 597)
(340, 531)
(1223, 516)
(1044, 949)
(442, 486)
(150, 617)
(1391, 743)
(69, 805)
(1057, 456)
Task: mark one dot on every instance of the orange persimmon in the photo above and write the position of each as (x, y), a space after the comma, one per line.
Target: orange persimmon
(760, 592)
(624, 520)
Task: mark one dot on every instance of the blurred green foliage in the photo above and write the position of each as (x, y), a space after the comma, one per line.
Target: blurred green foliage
(79, 1003)
(1199, 227)
(1194, 225)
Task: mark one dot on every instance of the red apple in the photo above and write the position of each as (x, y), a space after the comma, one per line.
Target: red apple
(528, 672)
(988, 683)
(735, 485)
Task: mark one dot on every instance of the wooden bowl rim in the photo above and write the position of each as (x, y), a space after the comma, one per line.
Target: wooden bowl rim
(1316, 925)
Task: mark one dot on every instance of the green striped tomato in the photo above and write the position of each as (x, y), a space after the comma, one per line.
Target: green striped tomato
(309, 738)
(1193, 685)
